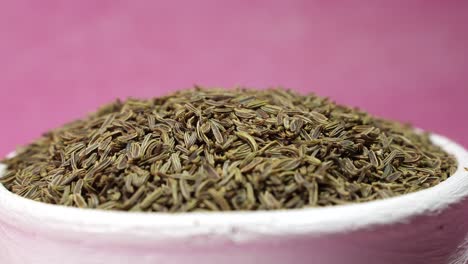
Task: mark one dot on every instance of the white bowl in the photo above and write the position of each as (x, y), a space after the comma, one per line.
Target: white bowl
(428, 226)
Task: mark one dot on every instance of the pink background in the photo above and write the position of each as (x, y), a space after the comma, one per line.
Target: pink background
(405, 60)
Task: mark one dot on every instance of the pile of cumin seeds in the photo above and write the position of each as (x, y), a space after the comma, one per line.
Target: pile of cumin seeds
(221, 150)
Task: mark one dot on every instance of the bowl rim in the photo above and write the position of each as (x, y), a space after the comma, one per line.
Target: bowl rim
(67, 222)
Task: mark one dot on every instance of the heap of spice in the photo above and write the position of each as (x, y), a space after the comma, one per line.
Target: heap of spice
(221, 150)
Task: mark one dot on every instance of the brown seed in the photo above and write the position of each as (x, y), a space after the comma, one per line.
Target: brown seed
(240, 149)
(216, 133)
(249, 139)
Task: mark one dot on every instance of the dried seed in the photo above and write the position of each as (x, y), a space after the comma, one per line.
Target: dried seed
(318, 117)
(79, 201)
(393, 177)
(203, 150)
(219, 199)
(151, 198)
(216, 133)
(249, 139)
(373, 159)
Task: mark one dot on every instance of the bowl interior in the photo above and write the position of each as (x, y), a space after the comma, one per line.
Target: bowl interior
(238, 225)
